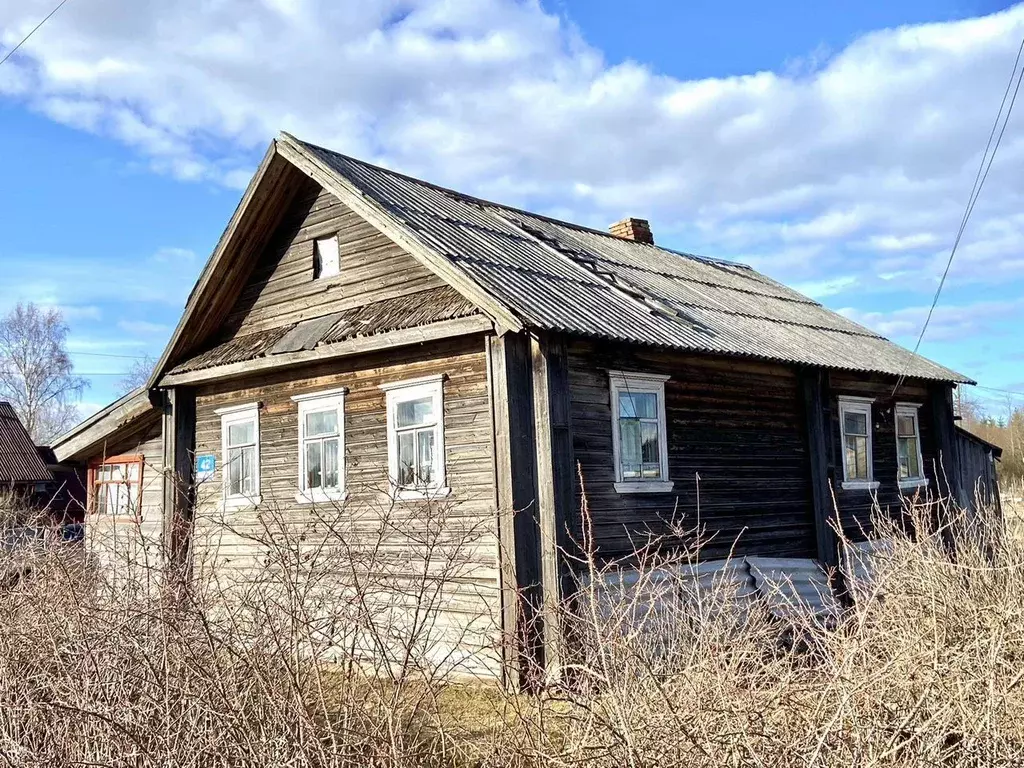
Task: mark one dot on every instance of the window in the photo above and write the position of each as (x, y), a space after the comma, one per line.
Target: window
(639, 432)
(415, 416)
(116, 486)
(855, 425)
(240, 438)
(321, 446)
(908, 446)
(326, 259)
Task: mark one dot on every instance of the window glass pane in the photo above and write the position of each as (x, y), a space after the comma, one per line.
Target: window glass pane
(856, 457)
(121, 495)
(649, 449)
(241, 433)
(914, 458)
(640, 405)
(234, 471)
(406, 458)
(322, 423)
(132, 473)
(415, 412)
(629, 447)
(241, 471)
(905, 426)
(314, 456)
(331, 464)
(856, 423)
(425, 455)
(908, 459)
(248, 470)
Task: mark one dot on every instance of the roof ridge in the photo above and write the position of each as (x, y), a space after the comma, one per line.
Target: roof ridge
(475, 200)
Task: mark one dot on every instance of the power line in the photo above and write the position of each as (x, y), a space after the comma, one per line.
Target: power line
(75, 373)
(34, 30)
(1001, 391)
(108, 354)
(979, 182)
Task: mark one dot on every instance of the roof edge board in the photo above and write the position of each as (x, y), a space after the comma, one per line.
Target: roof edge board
(212, 262)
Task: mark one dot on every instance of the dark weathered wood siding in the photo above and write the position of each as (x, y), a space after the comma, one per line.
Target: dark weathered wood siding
(737, 453)
(281, 289)
(228, 541)
(855, 506)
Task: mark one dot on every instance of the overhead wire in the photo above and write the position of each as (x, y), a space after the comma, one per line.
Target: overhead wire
(35, 29)
(979, 182)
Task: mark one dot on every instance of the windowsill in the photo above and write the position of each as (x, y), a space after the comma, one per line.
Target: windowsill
(419, 494)
(242, 502)
(912, 483)
(860, 485)
(319, 496)
(645, 486)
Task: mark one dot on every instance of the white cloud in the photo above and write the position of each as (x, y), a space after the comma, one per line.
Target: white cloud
(948, 323)
(144, 327)
(823, 288)
(854, 163)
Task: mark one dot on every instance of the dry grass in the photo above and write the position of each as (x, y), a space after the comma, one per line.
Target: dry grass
(926, 670)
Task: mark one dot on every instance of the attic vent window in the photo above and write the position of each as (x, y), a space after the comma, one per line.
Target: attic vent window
(326, 261)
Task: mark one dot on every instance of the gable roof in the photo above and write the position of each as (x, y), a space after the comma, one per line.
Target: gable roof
(527, 271)
(20, 461)
(558, 276)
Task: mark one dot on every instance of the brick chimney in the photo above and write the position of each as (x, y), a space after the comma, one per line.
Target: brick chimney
(633, 229)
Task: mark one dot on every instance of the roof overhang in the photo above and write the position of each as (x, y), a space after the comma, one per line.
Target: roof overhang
(462, 326)
(99, 427)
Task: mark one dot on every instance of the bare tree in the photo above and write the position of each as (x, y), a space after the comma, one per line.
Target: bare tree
(36, 374)
(138, 374)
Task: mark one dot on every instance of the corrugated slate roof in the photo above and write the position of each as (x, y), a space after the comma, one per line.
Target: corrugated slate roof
(20, 461)
(410, 311)
(558, 276)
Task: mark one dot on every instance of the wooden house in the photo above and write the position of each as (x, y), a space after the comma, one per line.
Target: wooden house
(358, 334)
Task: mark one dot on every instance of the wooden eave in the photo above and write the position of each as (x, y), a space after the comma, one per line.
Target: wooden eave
(102, 426)
(360, 345)
(258, 213)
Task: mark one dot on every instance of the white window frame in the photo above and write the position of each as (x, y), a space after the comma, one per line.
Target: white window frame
(236, 414)
(648, 383)
(415, 389)
(857, 405)
(318, 257)
(909, 409)
(313, 402)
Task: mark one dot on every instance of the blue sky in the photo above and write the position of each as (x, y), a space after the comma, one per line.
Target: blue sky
(830, 145)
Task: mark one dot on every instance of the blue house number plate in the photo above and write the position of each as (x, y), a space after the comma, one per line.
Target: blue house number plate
(206, 465)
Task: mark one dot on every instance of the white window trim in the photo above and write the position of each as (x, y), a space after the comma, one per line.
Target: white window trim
(857, 405)
(413, 389)
(629, 381)
(234, 414)
(321, 401)
(910, 409)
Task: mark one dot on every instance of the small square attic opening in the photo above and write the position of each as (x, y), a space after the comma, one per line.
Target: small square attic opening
(326, 259)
